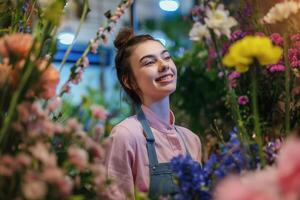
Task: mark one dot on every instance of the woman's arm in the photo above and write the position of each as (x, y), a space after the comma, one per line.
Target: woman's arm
(120, 158)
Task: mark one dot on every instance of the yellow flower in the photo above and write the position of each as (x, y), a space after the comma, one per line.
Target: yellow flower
(242, 53)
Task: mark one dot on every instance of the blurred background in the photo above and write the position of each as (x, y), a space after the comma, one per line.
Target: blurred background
(167, 20)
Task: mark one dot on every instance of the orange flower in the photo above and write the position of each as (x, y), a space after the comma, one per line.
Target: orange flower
(17, 45)
(47, 82)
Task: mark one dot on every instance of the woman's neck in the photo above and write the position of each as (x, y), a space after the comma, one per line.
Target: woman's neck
(161, 108)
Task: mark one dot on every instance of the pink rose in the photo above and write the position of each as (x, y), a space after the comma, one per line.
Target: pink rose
(34, 190)
(99, 112)
(78, 157)
(289, 167)
(233, 188)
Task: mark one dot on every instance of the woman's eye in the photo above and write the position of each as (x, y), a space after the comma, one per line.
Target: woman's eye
(167, 57)
(149, 62)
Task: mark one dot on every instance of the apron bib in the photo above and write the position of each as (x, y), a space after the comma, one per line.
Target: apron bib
(161, 176)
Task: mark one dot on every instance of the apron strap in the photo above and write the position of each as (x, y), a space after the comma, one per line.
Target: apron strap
(149, 137)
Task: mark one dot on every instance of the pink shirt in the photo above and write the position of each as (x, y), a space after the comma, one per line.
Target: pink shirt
(127, 157)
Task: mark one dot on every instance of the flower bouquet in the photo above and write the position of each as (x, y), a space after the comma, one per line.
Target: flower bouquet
(42, 154)
(259, 69)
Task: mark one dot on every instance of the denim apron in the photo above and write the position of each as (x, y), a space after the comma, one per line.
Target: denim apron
(161, 176)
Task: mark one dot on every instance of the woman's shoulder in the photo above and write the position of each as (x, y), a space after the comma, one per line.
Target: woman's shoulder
(128, 127)
(188, 133)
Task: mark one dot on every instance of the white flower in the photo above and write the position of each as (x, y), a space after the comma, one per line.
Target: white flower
(219, 20)
(281, 11)
(45, 3)
(198, 32)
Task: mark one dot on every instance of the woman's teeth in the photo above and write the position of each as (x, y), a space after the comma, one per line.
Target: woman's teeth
(165, 78)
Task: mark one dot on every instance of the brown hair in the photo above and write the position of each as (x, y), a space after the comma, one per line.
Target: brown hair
(124, 42)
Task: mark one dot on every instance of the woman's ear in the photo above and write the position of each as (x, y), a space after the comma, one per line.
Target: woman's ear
(126, 82)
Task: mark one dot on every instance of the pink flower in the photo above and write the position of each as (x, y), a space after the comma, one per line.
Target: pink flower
(65, 88)
(41, 152)
(233, 188)
(276, 68)
(84, 61)
(277, 39)
(53, 104)
(23, 159)
(7, 165)
(234, 75)
(233, 78)
(243, 100)
(97, 151)
(260, 34)
(98, 132)
(78, 157)
(73, 125)
(77, 78)
(295, 37)
(289, 167)
(5, 171)
(94, 46)
(52, 174)
(65, 187)
(99, 112)
(34, 190)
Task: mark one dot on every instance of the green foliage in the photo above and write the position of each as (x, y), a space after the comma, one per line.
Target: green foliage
(200, 96)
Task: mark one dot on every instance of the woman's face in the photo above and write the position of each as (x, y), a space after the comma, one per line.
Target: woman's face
(154, 70)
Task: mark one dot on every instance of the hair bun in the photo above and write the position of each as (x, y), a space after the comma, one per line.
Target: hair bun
(124, 35)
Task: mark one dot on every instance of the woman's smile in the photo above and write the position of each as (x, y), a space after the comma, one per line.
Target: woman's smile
(166, 78)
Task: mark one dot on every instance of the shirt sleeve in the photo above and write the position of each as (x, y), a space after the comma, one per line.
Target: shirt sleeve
(119, 160)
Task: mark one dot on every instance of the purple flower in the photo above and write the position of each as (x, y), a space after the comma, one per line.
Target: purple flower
(243, 100)
(237, 35)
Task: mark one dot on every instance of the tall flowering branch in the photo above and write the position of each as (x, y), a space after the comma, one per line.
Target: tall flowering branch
(101, 36)
(27, 61)
(283, 12)
(250, 52)
(211, 22)
(82, 18)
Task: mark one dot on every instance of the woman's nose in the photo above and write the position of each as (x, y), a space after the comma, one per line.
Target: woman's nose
(163, 66)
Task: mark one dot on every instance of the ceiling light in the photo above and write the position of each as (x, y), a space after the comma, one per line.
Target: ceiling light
(169, 5)
(66, 38)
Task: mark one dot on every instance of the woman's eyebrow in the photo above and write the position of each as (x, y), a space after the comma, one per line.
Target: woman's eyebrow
(147, 56)
(152, 56)
(164, 51)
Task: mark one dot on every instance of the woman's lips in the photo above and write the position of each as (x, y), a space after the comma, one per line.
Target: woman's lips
(165, 78)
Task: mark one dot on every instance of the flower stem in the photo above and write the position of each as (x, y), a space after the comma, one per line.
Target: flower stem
(28, 68)
(82, 18)
(233, 98)
(257, 129)
(287, 84)
(13, 105)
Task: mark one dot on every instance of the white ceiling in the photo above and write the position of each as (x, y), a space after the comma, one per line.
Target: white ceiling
(145, 9)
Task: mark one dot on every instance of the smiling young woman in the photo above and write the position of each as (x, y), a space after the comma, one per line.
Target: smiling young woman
(141, 146)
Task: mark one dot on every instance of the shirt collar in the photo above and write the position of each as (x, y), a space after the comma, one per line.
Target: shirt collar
(157, 123)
